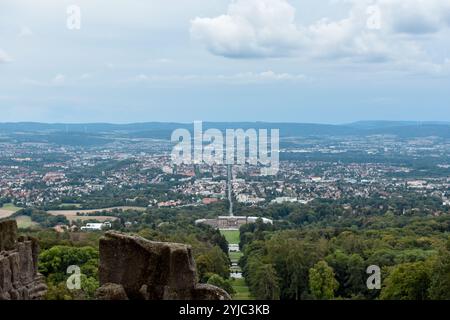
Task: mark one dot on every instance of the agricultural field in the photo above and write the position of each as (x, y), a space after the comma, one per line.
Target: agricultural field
(7, 210)
(24, 222)
(73, 215)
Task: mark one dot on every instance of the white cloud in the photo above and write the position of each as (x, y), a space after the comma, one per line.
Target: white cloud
(415, 16)
(251, 28)
(4, 57)
(56, 81)
(160, 61)
(373, 31)
(25, 32)
(86, 76)
(261, 77)
(59, 79)
(238, 78)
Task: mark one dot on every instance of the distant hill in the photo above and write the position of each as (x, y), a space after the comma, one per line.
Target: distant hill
(389, 124)
(100, 133)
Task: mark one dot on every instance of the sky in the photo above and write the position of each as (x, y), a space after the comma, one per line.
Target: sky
(321, 61)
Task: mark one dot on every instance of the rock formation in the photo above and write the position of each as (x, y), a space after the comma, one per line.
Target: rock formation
(132, 267)
(19, 278)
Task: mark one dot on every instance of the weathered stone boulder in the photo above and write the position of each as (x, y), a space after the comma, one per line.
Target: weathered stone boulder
(8, 235)
(149, 270)
(19, 277)
(111, 291)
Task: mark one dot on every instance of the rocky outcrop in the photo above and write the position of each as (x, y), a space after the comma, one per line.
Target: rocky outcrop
(111, 291)
(19, 278)
(132, 267)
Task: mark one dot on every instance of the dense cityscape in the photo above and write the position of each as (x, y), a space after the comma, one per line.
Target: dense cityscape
(343, 202)
(141, 173)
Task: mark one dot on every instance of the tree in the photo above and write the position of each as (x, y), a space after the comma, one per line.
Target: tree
(356, 276)
(204, 267)
(267, 286)
(350, 272)
(407, 281)
(220, 282)
(58, 292)
(88, 286)
(213, 261)
(220, 262)
(297, 269)
(55, 261)
(440, 278)
(322, 282)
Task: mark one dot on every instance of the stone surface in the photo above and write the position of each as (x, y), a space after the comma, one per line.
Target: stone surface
(111, 291)
(8, 235)
(149, 270)
(19, 279)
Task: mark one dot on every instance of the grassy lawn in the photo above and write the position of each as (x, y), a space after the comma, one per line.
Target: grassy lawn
(10, 207)
(232, 236)
(235, 256)
(241, 289)
(24, 222)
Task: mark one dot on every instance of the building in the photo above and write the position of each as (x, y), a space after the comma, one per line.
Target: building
(248, 199)
(53, 176)
(96, 226)
(231, 222)
(207, 201)
(281, 200)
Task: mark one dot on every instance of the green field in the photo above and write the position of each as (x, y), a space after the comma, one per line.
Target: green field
(24, 222)
(242, 292)
(10, 206)
(232, 236)
(235, 256)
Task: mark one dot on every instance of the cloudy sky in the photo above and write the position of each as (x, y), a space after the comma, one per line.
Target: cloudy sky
(327, 61)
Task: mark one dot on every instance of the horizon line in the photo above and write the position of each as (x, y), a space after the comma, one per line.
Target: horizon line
(437, 122)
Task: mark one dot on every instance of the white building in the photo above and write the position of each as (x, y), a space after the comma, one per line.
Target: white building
(264, 220)
(96, 226)
(281, 200)
(248, 199)
(231, 222)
